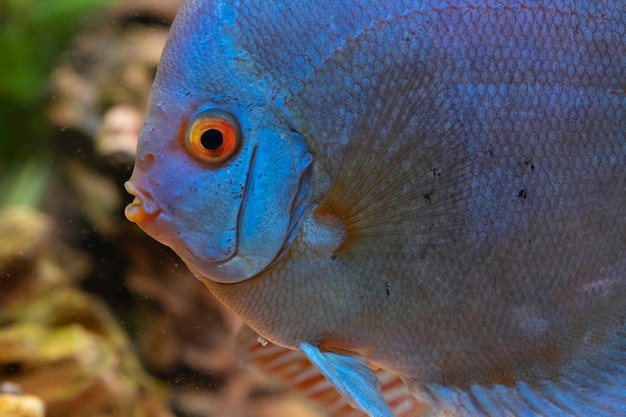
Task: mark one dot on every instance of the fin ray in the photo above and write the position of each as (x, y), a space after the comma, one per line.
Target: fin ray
(591, 386)
(510, 402)
(528, 396)
(405, 167)
(353, 378)
(487, 404)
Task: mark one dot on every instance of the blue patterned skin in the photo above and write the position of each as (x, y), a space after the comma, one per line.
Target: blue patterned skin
(436, 188)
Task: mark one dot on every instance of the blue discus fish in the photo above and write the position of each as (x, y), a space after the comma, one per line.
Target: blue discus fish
(435, 188)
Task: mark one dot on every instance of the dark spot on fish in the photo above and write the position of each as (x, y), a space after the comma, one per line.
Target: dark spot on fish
(275, 93)
(188, 94)
(522, 193)
(387, 286)
(529, 163)
(436, 172)
(490, 152)
(426, 197)
(334, 256)
(149, 157)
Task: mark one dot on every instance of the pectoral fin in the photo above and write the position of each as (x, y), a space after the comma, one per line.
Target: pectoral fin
(352, 377)
(294, 369)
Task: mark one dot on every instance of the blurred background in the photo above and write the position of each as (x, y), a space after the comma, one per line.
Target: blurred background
(96, 319)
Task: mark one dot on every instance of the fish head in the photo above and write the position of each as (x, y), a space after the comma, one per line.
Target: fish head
(219, 176)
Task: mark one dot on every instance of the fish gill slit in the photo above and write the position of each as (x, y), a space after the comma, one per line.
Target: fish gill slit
(244, 199)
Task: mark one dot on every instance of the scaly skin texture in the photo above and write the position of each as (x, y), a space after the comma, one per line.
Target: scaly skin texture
(512, 263)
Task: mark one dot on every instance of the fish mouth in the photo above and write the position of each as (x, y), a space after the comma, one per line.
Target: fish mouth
(142, 208)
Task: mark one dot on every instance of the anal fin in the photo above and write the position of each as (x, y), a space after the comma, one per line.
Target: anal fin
(594, 386)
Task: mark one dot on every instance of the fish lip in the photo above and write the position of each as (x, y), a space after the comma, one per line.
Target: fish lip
(143, 207)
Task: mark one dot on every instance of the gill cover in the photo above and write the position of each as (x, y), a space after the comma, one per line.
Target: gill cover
(228, 196)
(259, 194)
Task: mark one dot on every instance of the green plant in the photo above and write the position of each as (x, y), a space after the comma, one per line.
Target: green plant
(33, 35)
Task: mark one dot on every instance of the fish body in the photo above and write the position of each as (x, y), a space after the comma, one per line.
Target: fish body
(436, 188)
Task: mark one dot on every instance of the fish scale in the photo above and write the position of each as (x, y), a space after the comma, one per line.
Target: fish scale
(432, 188)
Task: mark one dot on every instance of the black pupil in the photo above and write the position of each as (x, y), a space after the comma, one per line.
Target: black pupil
(212, 139)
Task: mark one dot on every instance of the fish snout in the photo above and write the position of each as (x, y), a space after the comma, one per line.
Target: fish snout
(142, 208)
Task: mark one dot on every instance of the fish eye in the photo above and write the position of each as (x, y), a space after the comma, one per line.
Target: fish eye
(213, 136)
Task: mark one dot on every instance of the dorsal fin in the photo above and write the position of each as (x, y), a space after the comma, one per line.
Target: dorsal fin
(295, 370)
(405, 167)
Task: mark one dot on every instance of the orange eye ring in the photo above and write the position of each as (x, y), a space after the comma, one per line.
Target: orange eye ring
(213, 136)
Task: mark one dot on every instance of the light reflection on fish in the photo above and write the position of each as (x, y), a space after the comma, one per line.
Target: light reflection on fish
(436, 188)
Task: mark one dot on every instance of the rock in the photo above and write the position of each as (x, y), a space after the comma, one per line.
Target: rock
(56, 341)
(20, 406)
(187, 328)
(119, 131)
(111, 64)
(69, 350)
(30, 259)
